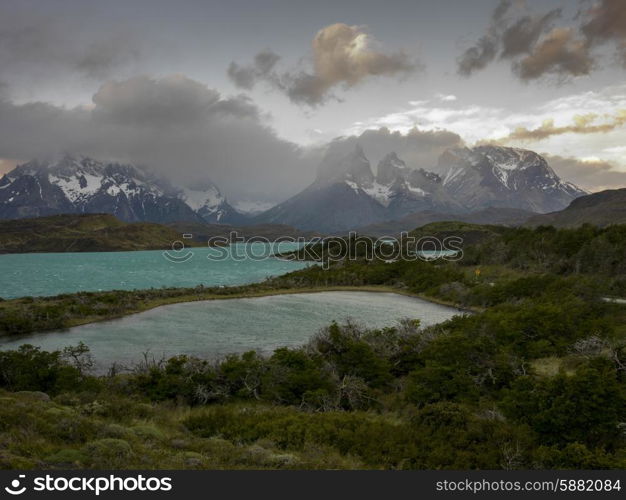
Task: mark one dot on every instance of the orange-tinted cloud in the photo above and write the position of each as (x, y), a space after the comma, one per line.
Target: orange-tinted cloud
(560, 52)
(342, 55)
(604, 22)
(582, 124)
(538, 48)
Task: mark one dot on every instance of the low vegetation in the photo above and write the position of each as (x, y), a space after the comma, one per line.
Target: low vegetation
(82, 233)
(535, 379)
(106, 233)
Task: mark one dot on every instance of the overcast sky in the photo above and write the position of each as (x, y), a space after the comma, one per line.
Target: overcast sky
(245, 92)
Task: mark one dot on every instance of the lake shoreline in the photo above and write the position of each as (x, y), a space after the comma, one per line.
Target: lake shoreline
(290, 291)
(248, 291)
(212, 329)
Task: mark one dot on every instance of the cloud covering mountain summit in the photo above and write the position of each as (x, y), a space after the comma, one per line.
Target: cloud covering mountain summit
(178, 126)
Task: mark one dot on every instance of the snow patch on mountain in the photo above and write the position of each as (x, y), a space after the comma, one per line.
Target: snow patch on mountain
(355, 187)
(381, 193)
(451, 174)
(416, 190)
(208, 198)
(77, 187)
(500, 176)
(252, 207)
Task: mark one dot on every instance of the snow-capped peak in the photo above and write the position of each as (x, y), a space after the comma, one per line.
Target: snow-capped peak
(251, 207)
(80, 184)
(500, 176)
(208, 197)
(80, 178)
(208, 202)
(507, 158)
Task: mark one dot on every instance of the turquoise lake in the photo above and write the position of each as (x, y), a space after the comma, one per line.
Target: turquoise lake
(211, 329)
(38, 274)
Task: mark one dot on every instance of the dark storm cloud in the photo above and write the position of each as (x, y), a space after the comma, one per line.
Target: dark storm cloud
(560, 53)
(99, 59)
(535, 47)
(606, 22)
(521, 36)
(38, 129)
(173, 124)
(46, 44)
(342, 55)
(243, 77)
(188, 131)
(480, 55)
(593, 175)
(262, 68)
(169, 101)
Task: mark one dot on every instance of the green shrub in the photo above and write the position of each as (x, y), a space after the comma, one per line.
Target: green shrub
(66, 457)
(582, 408)
(116, 431)
(149, 432)
(108, 453)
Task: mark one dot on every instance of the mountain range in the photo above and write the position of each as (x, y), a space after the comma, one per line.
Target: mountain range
(103, 232)
(83, 233)
(345, 195)
(75, 185)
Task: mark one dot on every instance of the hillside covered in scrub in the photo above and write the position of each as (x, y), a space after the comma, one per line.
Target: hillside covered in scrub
(602, 209)
(82, 233)
(535, 378)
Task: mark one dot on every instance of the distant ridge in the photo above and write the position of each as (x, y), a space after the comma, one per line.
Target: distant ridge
(104, 233)
(491, 215)
(600, 209)
(82, 233)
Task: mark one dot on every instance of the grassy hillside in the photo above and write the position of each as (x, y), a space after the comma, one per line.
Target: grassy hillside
(82, 233)
(470, 233)
(600, 209)
(587, 253)
(500, 216)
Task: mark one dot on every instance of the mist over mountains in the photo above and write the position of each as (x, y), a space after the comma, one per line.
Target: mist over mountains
(346, 193)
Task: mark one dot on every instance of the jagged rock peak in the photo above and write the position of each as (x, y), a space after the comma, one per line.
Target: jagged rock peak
(501, 176)
(391, 168)
(338, 166)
